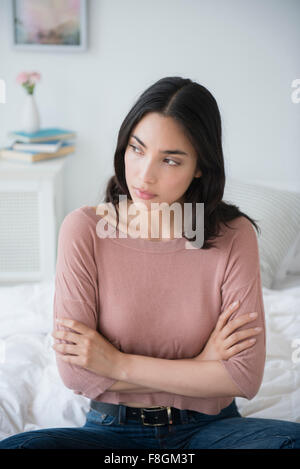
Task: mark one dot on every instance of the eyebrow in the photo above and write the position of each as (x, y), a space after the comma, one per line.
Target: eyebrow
(167, 152)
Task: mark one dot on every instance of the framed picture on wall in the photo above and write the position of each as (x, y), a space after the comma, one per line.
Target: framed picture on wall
(49, 25)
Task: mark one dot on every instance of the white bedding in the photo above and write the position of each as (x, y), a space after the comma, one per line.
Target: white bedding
(33, 396)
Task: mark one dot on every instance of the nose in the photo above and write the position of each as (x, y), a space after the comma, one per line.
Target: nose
(147, 173)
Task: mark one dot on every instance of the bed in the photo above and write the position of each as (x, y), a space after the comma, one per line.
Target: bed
(33, 396)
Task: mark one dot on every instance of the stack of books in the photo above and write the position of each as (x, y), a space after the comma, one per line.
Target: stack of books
(44, 144)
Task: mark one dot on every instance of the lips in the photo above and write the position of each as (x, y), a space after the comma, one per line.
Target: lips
(144, 192)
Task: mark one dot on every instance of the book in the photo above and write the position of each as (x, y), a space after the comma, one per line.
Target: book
(43, 147)
(43, 135)
(32, 156)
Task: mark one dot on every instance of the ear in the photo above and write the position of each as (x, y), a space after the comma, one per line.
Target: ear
(198, 174)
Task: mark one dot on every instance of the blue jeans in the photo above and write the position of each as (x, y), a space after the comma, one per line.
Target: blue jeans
(226, 430)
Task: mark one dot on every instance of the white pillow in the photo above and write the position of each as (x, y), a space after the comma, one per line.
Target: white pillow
(277, 213)
(293, 261)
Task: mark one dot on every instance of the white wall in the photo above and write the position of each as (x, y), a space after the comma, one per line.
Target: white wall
(246, 52)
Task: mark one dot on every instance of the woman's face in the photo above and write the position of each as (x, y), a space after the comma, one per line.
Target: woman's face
(152, 162)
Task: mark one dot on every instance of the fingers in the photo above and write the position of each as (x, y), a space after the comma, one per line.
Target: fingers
(236, 323)
(66, 349)
(239, 347)
(66, 335)
(72, 324)
(241, 335)
(223, 318)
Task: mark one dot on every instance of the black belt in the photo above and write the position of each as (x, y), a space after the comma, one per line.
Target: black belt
(146, 416)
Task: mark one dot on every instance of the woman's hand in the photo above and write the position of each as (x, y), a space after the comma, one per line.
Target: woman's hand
(223, 342)
(87, 348)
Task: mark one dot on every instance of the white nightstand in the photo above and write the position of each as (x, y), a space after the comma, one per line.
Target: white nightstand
(31, 211)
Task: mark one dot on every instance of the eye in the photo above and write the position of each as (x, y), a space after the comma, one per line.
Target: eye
(172, 161)
(175, 163)
(134, 148)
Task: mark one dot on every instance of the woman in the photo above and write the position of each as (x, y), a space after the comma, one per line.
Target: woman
(149, 330)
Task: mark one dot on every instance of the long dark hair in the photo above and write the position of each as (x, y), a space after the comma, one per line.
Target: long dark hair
(197, 112)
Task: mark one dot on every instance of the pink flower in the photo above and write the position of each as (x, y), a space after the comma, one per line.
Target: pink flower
(22, 78)
(28, 80)
(34, 77)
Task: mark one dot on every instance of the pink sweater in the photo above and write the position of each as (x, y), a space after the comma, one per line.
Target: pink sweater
(158, 299)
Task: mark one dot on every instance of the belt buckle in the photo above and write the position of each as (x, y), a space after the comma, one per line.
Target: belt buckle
(170, 421)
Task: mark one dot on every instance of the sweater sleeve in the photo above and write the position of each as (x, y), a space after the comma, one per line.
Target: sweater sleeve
(75, 297)
(242, 281)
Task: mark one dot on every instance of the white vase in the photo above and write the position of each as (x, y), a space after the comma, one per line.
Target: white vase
(30, 119)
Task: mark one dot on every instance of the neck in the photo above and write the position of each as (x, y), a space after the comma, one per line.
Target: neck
(150, 224)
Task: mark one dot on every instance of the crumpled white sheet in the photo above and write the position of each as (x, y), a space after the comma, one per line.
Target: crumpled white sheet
(33, 396)
(279, 394)
(32, 393)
